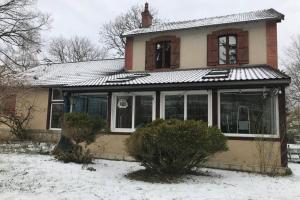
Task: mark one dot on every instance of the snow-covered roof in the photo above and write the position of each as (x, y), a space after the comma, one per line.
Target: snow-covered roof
(199, 75)
(268, 14)
(68, 73)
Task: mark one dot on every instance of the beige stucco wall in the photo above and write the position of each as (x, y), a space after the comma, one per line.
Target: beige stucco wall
(241, 155)
(38, 97)
(193, 45)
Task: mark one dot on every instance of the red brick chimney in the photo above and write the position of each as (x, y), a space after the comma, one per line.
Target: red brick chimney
(146, 17)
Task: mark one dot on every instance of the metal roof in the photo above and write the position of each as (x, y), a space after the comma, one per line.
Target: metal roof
(235, 74)
(268, 14)
(67, 73)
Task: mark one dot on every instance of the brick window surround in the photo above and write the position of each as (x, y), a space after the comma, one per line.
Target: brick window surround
(150, 53)
(242, 46)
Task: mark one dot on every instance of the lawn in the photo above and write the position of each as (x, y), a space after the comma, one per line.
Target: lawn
(25, 176)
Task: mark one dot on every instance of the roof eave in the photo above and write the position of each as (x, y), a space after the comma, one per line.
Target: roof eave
(178, 86)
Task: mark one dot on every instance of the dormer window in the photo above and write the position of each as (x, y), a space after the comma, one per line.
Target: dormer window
(227, 49)
(163, 54)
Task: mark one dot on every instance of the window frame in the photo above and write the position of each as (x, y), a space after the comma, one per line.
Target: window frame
(185, 94)
(227, 49)
(56, 100)
(277, 135)
(50, 122)
(163, 64)
(114, 110)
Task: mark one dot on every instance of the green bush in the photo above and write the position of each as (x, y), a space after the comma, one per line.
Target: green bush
(82, 127)
(78, 128)
(174, 146)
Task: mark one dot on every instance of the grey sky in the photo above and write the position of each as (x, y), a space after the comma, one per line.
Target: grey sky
(85, 17)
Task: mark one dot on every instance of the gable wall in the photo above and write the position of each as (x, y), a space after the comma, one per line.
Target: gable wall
(193, 45)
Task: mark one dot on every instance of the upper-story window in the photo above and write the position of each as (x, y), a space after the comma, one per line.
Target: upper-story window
(163, 54)
(227, 49)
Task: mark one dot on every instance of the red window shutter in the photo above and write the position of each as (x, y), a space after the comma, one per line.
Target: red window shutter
(150, 57)
(243, 47)
(175, 53)
(212, 50)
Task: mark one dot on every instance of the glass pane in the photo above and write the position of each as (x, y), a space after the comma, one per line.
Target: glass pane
(97, 106)
(57, 115)
(222, 50)
(197, 107)
(167, 54)
(248, 113)
(143, 110)
(92, 105)
(57, 94)
(158, 55)
(232, 50)
(80, 104)
(174, 107)
(124, 112)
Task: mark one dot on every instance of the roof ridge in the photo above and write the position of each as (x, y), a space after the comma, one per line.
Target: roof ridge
(218, 16)
(239, 17)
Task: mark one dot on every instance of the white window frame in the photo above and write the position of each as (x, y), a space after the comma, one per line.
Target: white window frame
(277, 135)
(133, 94)
(50, 122)
(185, 93)
(56, 100)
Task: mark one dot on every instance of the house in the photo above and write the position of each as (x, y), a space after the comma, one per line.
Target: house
(222, 70)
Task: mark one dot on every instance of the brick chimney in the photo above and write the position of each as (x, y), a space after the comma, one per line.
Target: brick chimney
(146, 17)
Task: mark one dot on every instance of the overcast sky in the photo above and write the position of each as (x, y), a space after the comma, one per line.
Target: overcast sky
(85, 17)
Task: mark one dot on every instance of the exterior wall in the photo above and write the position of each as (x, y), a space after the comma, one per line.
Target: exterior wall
(241, 155)
(39, 98)
(193, 46)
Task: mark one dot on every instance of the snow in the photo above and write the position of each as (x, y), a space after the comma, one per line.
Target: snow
(31, 176)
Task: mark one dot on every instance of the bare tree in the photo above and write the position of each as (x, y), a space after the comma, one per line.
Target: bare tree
(20, 40)
(292, 65)
(111, 32)
(20, 26)
(74, 50)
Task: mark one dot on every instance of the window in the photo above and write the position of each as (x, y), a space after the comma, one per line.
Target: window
(57, 112)
(227, 49)
(248, 112)
(174, 107)
(192, 105)
(163, 54)
(132, 110)
(57, 109)
(93, 105)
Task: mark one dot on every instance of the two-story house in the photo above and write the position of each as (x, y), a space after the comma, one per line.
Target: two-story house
(222, 70)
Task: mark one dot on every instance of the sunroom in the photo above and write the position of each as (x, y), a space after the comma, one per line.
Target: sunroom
(241, 101)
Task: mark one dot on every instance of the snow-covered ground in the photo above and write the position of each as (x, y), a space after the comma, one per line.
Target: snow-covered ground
(24, 176)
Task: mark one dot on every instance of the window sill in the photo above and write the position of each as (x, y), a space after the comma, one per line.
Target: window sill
(235, 135)
(122, 130)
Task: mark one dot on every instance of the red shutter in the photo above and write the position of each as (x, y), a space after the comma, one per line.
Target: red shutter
(212, 50)
(150, 58)
(243, 47)
(175, 53)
